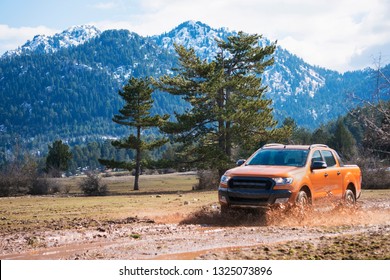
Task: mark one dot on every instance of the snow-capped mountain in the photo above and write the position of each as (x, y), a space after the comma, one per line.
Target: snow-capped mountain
(71, 37)
(196, 35)
(69, 88)
(202, 38)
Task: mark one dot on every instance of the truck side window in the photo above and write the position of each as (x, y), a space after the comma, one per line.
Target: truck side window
(341, 162)
(329, 158)
(316, 157)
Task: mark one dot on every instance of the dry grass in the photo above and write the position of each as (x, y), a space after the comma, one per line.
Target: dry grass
(375, 194)
(148, 183)
(162, 197)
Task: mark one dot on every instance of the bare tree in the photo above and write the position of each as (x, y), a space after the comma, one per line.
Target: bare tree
(376, 116)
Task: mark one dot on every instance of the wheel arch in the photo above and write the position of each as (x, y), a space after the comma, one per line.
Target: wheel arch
(351, 186)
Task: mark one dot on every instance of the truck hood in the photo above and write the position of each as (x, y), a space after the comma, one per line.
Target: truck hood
(264, 171)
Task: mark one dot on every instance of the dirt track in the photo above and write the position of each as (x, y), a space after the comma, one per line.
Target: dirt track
(207, 235)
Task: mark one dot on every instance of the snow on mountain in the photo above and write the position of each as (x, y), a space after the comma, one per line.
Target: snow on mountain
(196, 35)
(73, 36)
(290, 76)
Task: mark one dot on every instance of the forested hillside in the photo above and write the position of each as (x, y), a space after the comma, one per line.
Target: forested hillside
(52, 90)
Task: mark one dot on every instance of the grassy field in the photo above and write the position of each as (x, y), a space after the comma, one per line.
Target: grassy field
(160, 196)
(123, 184)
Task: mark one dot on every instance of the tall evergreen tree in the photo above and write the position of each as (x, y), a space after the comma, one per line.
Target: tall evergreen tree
(228, 107)
(58, 158)
(137, 94)
(343, 141)
(320, 136)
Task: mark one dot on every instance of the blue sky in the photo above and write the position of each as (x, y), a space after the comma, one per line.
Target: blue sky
(337, 34)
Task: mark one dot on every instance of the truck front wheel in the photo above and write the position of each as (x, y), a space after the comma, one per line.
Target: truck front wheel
(302, 199)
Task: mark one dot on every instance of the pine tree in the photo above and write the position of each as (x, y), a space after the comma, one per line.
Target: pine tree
(228, 108)
(58, 158)
(320, 136)
(342, 141)
(137, 94)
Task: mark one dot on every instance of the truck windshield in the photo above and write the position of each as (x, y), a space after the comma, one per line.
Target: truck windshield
(279, 157)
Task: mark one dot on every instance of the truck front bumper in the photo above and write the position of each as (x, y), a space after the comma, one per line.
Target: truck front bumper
(252, 197)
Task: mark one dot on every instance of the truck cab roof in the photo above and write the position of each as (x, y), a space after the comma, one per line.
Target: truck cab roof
(293, 147)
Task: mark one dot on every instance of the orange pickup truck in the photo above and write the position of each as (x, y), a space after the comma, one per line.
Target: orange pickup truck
(294, 174)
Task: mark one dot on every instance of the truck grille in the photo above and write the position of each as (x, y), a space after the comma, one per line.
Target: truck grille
(246, 200)
(257, 183)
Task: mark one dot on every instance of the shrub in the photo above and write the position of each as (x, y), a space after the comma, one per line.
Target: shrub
(21, 177)
(42, 186)
(5, 189)
(208, 180)
(376, 179)
(92, 185)
(374, 171)
(17, 180)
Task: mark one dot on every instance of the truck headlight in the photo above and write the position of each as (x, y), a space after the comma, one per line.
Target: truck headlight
(280, 181)
(224, 181)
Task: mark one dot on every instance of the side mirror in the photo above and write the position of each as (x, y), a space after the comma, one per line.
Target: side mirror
(240, 162)
(318, 165)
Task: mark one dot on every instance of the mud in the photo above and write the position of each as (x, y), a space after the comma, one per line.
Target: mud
(204, 234)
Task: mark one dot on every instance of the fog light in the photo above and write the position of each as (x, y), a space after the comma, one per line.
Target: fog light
(281, 200)
(223, 199)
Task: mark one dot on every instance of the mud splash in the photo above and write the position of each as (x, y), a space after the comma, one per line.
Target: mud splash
(335, 216)
(329, 216)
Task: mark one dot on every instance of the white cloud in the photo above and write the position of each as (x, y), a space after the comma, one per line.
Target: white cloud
(105, 5)
(336, 37)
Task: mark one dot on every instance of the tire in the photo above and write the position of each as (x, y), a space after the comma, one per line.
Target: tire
(349, 198)
(302, 199)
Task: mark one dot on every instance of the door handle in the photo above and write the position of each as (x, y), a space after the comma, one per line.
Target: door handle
(338, 172)
(326, 174)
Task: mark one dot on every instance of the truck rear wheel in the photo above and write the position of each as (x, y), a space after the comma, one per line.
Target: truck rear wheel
(349, 198)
